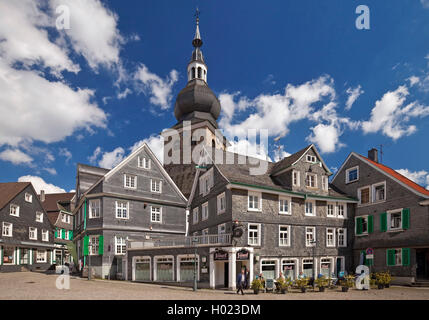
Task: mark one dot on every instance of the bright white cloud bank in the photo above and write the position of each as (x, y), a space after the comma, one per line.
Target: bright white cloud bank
(15, 156)
(40, 184)
(419, 177)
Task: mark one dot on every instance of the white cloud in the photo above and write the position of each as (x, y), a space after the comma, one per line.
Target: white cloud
(413, 80)
(353, 95)
(93, 31)
(124, 94)
(425, 3)
(15, 156)
(24, 39)
(249, 148)
(111, 159)
(51, 171)
(93, 158)
(280, 153)
(326, 137)
(420, 177)
(158, 89)
(155, 143)
(48, 111)
(390, 116)
(64, 152)
(40, 184)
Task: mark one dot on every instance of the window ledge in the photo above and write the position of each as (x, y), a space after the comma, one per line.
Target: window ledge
(396, 230)
(254, 210)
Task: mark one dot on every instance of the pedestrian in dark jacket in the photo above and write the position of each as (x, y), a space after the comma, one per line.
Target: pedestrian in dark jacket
(247, 273)
(241, 281)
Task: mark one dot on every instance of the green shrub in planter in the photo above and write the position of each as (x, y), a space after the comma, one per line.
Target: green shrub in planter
(302, 284)
(256, 286)
(322, 282)
(348, 282)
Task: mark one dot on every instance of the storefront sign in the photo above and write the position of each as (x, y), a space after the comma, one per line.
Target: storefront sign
(204, 270)
(369, 256)
(220, 255)
(243, 254)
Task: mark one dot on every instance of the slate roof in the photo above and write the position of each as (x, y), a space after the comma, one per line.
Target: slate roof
(9, 190)
(54, 202)
(288, 161)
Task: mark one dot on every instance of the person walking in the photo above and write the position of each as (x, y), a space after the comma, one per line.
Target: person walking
(247, 273)
(241, 281)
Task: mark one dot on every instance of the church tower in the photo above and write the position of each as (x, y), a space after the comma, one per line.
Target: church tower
(196, 108)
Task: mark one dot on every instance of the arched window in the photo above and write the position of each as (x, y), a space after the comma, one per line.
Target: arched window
(199, 72)
(213, 143)
(193, 73)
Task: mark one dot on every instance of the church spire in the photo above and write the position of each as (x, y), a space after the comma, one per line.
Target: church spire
(197, 69)
(197, 42)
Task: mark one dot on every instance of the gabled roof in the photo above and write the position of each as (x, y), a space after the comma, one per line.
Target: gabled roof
(53, 200)
(404, 181)
(9, 190)
(294, 158)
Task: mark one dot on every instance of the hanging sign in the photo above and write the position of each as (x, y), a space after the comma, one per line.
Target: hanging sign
(243, 254)
(220, 255)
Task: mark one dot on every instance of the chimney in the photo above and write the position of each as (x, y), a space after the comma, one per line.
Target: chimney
(373, 155)
(42, 195)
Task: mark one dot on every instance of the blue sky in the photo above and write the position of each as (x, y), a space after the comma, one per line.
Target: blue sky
(302, 69)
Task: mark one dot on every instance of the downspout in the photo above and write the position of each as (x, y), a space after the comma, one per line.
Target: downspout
(84, 228)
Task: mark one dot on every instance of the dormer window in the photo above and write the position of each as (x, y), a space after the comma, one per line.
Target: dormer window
(28, 197)
(311, 159)
(14, 210)
(352, 174)
(295, 178)
(311, 180)
(144, 163)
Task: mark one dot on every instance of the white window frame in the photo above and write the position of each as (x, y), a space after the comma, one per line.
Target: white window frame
(359, 190)
(334, 210)
(91, 207)
(30, 200)
(259, 202)
(143, 163)
(310, 174)
(374, 200)
(311, 159)
(325, 183)
(30, 232)
(132, 180)
(155, 182)
(45, 235)
(344, 205)
(389, 220)
(159, 214)
(331, 264)
(333, 233)
(121, 243)
(93, 245)
(127, 208)
(221, 196)
(347, 174)
(313, 202)
(289, 205)
(298, 177)
(400, 256)
(311, 230)
(206, 182)
(258, 230)
(204, 213)
(42, 259)
(363, 233)
(16, 207)
(288, 261)
(344, 232)
(39, 216)
(65, 217)
(195, 213)
(288, 232)
(7, 226)
(313, 262)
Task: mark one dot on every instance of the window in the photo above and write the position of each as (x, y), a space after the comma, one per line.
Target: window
(398, 257)
(65, 218)
(307, 267)
(39, 216)
(310, 208)
(310, 180)
(143, 163)
(284, 236)
(395, 220)
(253, 234)
(122, 209)
(155, 185)
(341, 210)
(120, 245)
(364, 195)
(28, 197)
(284, 206)
(342, 237)
(155, 214)
(330, 237)
(330, 210)
(268, 269)
(352, 174)
(7, 229)
(45, 235)
(254, 202)
(205, 211)
(130, 181)
(221, 229)
(295, 178)
(24, 256)
(14, 210)
(289, 268)
(364, 225)
(206, 182)
(325, 267)
(221, 206)
(379, 191)
(195, 215)
(310, 236)
(41, 256)
(94, 208)
(325, 184)
(93, 245)
(32, 233)
(311, 158)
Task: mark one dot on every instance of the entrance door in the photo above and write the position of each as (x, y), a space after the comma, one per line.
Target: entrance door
(226, 273)
(422, 263)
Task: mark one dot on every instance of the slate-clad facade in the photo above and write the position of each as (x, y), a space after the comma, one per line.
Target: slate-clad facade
(391, 218)
(26, 238)
(134, 201)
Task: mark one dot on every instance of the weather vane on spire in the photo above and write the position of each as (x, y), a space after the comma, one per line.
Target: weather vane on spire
(197, 15)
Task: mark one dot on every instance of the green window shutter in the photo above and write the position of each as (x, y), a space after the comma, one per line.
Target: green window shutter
(390, 257)
(406, 256)
(85, 245)
(70, 235)
(358, 225)
(383, 222)
(63, 233)
(100, 245)
(370, 224)
(56, 233)
(405, 218)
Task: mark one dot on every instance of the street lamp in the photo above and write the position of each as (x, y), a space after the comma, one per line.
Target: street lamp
(194, 241)
(313, 242)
